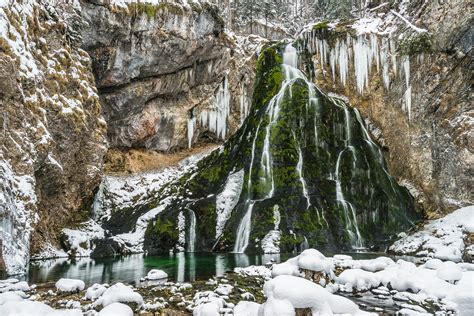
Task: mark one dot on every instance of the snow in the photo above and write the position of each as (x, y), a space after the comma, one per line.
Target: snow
(70, 285)
(224, 289)
(116, 309)
(441, 238)
(11, 297)
(358, 280)
(246, 308)
(95, 291)
(367, 25)
(119, 293)
(76, 239)
(228, 199)
(285, 293)
(449, 272)
(156, 274)
(207, 309)
(312, 259)
(32, 308)
(254, 271)
(13, 285)
(271, 242)
(207, 304)
(17, 195)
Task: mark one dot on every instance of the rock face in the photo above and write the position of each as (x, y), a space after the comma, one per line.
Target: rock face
(167, 74)
(53, 136)
(414, 87)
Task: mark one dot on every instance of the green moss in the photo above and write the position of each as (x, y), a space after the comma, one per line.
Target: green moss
(415, 44)
(321, 25)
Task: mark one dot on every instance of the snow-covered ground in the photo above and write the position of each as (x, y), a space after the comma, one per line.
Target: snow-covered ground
(443, 238)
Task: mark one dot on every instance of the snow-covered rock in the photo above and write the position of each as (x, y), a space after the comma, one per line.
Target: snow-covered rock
(357, 279)
(246, 308)
(95, 291)
(70, 285)
(116, 309)
(285, 293)
(119, 293)
(449, 272)
(156, 274)
(27, 308)
(312, 259)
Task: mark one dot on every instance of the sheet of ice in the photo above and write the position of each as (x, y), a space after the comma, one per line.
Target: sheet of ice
(119, 293)
(70, 285)
(441, 238)
(116, 309)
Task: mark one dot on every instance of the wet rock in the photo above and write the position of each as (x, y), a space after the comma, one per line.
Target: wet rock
(108, 248)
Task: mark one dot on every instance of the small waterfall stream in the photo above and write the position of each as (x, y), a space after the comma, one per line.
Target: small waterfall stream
(192, 232)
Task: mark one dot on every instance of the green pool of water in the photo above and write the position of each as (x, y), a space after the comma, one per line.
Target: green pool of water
(181, 267)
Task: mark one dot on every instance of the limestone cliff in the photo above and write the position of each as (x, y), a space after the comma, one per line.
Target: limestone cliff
(52, 133)
(168, 75)
(407, 67)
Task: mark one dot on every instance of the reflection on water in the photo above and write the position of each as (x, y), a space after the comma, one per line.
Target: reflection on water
(181, 267)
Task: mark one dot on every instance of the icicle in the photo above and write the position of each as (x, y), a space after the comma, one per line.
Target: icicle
(191, 125)
(406, 68)
(384, 62)
(216, 119)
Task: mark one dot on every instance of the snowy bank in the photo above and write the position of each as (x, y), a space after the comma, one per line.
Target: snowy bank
(442, 238)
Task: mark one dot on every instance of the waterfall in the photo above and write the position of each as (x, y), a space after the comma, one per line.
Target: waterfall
(243, 233)
(350, 218)
(303, 153)
(192, 231)
(290, 61)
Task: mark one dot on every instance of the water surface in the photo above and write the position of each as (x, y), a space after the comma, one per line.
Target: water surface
(181, 267)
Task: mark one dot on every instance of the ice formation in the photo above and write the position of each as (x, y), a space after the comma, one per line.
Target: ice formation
(215, 119)
(371, 49)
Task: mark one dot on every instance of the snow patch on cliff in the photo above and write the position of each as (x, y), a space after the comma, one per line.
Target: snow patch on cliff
(228, 199)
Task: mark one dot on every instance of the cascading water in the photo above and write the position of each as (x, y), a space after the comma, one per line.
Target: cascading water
(290, 61)
(301, 152)
(192, 231)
